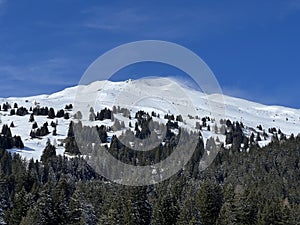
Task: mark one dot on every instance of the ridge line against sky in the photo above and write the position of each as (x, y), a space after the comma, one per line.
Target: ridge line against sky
(251, 46)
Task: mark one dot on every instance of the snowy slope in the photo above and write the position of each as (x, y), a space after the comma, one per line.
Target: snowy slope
(161, 95)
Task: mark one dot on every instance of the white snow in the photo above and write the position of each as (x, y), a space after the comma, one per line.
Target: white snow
(161, 95)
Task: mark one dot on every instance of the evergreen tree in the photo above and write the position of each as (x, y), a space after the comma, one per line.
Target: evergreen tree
(198, 126)
(117, 125)
(167, 210)
(51, 113)
(226, 216)
(208, 127)
(69, 107)
(258, 138)
(12, 112)
(34, 125)
(31, 118)
(60, 197)
(92, 116)
(138, 207)
(54, 133)
(49, 152)
(229, 138)
(42, 212)
(71, 145)
(189, 214)
(60, 113)
(78, 115)
(252, 139)
(76, 209)
(209, 202)
(4, 196)
(274, 212)
(20, 207)
(66, 116)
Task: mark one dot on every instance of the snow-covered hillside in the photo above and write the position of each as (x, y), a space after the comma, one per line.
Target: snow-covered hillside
(162, 95)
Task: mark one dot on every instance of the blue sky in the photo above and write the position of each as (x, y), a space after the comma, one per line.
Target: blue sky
(252, 46)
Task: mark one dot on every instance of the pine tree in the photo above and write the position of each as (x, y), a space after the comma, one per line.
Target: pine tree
(51, 114)
(166, 211)
(226, 216)
(209, 202)
(189, 214)
(60, 113)
(20, 207)
(245, 208)
(4, 197)
(208, 127)
(252, 139)
(34, 125)
(117, 125)
(258, 138)
(54, 133)
(113, 207)
(31, 119)
(61, 195)
(138, 207)
(274, 212)
(6, 131)
(198, 126)
(66, 116)
(92, 116)
(71, 145)
(229, 138)
(216, 129)
(17, 142)
(78, 115)
(69, 107)
(49, 152)
(12, 112)
(42, 212)
(75, 209)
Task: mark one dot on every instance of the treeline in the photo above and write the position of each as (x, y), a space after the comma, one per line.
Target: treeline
(259, 187)
(36, 111)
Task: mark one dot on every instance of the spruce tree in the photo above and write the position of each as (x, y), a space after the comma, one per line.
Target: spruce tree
(166, 211)
(71, 145)
(51, 113)
(209, 202)
(49, 152)
(20, 207)
(31, 118)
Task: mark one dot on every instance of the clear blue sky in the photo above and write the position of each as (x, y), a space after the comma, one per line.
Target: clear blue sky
(252, 47)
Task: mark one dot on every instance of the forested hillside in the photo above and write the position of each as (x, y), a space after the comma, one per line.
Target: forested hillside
(52, 159)
(258, 187)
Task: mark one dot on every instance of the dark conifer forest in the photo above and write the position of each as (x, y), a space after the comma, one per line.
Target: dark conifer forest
(259, 186)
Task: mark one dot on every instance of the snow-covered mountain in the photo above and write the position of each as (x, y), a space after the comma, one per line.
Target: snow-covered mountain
(161, 95)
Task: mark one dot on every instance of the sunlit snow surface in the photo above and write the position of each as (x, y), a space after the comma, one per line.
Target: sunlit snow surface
(163, 96)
